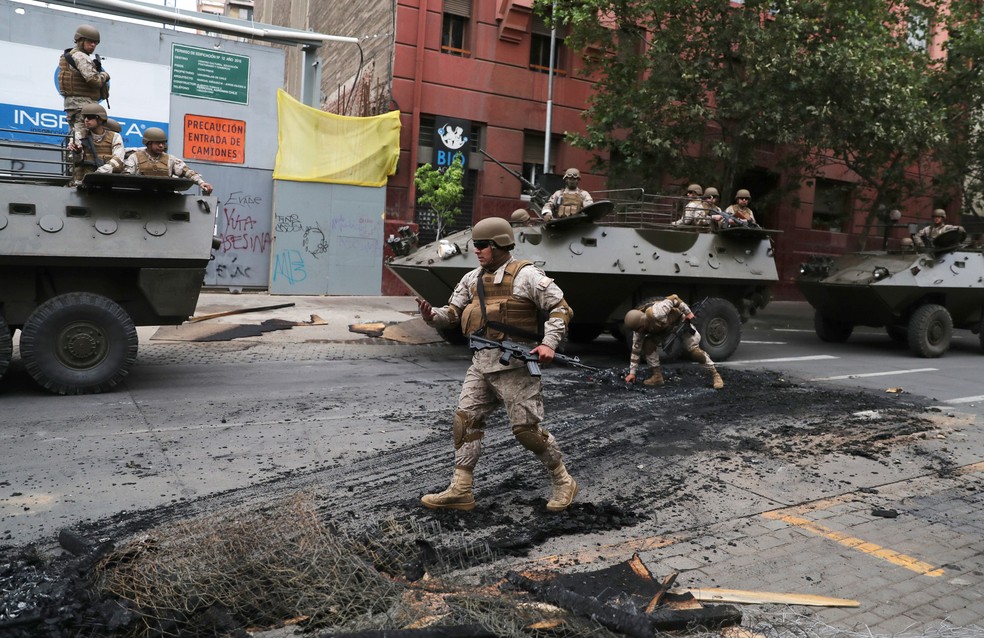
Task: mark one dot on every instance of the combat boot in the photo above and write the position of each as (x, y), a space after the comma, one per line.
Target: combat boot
(564, 489)
(458, 496)
(655, 379)
(716, 379)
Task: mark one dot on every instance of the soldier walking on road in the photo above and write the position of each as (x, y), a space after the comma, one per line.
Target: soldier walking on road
(499, 300)
(651, 326)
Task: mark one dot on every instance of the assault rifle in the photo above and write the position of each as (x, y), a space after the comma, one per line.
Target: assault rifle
(521, 351)
(684, 326)
(538, 196)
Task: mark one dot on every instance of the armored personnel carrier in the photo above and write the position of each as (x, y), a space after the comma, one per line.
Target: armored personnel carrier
(919, 298)
(81, 267)
(616, 254)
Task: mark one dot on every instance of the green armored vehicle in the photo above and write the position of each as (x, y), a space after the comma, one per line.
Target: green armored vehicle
(81, 267)
(919, 298)
(616, 254)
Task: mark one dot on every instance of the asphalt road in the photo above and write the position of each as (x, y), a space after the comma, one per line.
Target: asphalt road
(196, 419)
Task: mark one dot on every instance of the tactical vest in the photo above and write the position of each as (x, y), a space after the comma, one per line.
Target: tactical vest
(663, 323)
(571, 203)
(501, 306)
(72, 84)
(104, 148)
(148, 166)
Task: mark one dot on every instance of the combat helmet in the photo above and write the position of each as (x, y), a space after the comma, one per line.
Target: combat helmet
(87, 32)
(695, 188)
(154, 134)
(572, 173)
(743, 192)
(495, 229)
(939, 212)
(710, 190)
(520, 216)
(634, 319)
(94, 109)
(113, 125)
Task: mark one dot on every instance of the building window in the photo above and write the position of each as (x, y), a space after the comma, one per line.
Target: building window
(832, 205)
(919, 27)
(454, 31)
(540, 48)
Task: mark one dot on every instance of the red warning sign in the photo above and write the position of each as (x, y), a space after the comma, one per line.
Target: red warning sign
(214, 139)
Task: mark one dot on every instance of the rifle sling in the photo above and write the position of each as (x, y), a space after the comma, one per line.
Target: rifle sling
(498, 325)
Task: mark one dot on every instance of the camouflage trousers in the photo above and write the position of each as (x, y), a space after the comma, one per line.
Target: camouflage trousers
(488, 384)
(691, 342)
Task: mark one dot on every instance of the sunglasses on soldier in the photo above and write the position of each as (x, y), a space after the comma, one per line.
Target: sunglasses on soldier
(481, 244)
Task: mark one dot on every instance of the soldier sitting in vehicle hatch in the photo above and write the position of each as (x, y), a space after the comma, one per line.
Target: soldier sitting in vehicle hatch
(927, 234)
(152, 160)
(569, 200)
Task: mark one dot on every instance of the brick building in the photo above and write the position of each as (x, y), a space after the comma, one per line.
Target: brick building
(483, 67)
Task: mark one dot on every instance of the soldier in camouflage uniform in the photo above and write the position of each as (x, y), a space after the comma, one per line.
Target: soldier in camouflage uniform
(152, 160)
(569, 200)
(81, 81)
(927, 234)
(695, 212)
(651, 325)
(102, 149)
(501, 299)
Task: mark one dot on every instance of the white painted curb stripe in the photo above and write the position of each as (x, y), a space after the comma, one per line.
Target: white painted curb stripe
(875, 374)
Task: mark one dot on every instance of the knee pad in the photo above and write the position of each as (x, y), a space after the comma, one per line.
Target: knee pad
(532, 437)
(466, 428)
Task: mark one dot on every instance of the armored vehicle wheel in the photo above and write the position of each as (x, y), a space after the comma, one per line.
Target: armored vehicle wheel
(584, 332)
(830, 330)
(6, 346)
(78, 343)
(899, 334)
(452, 336)
(719, 325)
(930, 331)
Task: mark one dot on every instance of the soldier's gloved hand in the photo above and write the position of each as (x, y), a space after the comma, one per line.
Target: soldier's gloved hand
(630, 378)
(690, 317)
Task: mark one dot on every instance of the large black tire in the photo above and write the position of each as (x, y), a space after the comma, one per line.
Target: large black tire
(830, 330)
(6, 346)
(78, 343)
(719, 324)
(930, 331)
(453, 336)
(584, 332)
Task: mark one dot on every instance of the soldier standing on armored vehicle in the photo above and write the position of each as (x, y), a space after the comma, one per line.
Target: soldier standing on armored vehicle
(653, 325)
(501, 299)
(153, 161)
(738, 214)
(81, 80)
(102, 149)
(927, 234)
(569, 200)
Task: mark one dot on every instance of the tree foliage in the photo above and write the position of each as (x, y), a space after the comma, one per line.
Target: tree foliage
(688, 90)
(441, 189)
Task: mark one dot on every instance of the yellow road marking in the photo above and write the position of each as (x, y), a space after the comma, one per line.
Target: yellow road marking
(901, 560)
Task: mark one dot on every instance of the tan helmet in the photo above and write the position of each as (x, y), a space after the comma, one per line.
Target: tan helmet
(743, 192)
(154, 134)
(572, 172)
(695, 188)
(495, 229)
(87, 32)
(710, 190)
(113, 125)
(520, 216)
(94, 109)
(634, 319)
(939, 212)
(906, 242)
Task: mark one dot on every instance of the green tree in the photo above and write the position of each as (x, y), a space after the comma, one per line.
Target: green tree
(688, 90)
(441, 190)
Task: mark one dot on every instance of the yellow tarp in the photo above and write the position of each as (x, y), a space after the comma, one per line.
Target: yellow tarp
(315, 146)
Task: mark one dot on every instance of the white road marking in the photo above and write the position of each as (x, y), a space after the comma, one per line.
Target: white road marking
(765, 343)
(816, 357)
(979, 397)
(792, 330)
(874, 374)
